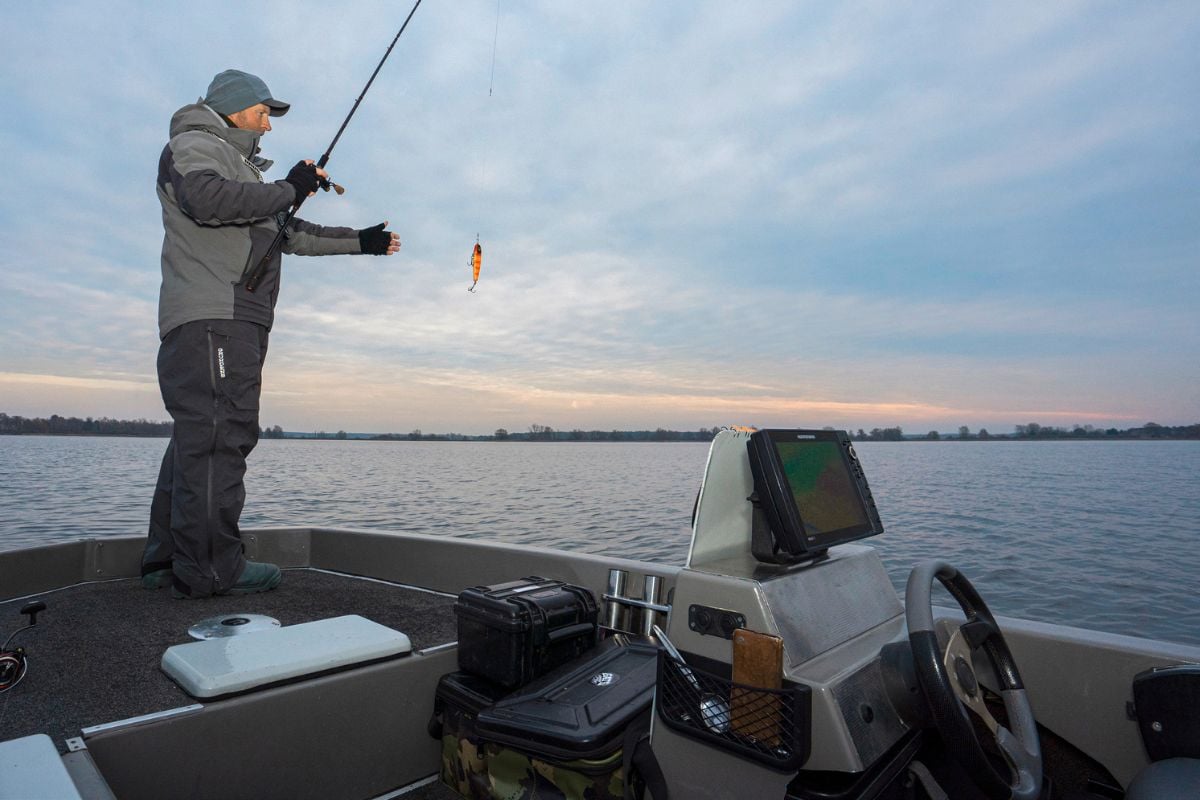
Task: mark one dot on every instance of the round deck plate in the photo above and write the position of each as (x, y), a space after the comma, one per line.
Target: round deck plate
(231, 625)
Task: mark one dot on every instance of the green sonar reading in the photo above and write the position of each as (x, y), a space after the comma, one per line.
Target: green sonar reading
(824, 492)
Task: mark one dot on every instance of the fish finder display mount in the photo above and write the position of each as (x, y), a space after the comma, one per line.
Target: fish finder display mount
(810, 494)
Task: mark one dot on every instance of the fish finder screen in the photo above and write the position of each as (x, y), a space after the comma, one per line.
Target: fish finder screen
(810, 491)
(825, 494)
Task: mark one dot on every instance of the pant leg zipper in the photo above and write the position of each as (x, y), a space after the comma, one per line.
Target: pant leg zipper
(212, 450)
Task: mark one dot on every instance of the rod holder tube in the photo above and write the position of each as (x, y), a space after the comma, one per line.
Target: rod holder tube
(614, 611)
(651, 587)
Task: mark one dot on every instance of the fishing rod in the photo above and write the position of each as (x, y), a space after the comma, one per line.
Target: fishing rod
(257, 273)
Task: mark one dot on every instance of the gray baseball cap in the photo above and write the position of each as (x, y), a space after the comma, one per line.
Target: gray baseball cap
(234, 90)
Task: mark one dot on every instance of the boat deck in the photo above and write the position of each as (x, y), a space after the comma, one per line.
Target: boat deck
(94, 655)
(428, 789)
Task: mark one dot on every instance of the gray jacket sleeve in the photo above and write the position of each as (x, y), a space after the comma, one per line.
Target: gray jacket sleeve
(198, 169)
(307, 239)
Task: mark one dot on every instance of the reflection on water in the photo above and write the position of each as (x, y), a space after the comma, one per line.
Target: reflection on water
(1095, 534)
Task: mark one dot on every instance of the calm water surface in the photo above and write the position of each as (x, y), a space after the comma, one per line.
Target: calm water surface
(1101, 535)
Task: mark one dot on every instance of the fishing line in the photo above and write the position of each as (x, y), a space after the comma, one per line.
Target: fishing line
(476, 260)
(495, 38)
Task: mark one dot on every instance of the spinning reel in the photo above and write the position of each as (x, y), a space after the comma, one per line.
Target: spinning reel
(13, 663)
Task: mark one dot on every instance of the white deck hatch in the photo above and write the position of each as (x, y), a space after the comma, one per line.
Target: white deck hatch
(31, 767)
(217, 667)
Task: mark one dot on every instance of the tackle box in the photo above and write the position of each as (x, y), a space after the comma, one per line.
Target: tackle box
(511, 633)
(580, 710)
(566, 733)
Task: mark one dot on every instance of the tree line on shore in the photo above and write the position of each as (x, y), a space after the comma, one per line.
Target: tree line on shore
(74, 426)
(104, 426)
(1033, 430)
(536, 433)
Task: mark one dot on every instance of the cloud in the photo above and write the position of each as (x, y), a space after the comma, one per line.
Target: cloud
(691, 213)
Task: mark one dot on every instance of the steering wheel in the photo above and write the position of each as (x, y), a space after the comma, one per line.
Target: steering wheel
(951, 690)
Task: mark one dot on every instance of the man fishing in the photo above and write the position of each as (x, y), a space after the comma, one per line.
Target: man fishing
(220, 219)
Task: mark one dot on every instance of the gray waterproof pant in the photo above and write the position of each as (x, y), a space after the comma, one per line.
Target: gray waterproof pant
(210, 376)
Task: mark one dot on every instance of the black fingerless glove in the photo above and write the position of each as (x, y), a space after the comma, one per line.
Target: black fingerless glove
(303, 178)
(375, 241)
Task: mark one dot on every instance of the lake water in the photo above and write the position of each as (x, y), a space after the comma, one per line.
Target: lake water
(1102, 535)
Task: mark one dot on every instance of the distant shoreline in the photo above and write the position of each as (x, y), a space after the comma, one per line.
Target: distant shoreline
(141, 428)
(523, 440)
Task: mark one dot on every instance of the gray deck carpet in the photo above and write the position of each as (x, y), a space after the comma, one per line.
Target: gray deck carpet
(94, 655)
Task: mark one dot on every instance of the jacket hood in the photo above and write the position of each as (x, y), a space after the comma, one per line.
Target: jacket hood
(199, 117)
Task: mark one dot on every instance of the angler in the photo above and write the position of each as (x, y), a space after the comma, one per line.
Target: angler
(219, 214)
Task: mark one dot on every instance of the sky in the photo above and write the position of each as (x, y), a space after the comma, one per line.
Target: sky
(693, 214)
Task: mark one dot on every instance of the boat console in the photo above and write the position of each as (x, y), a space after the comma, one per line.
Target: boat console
(772, 553)
(778, 601)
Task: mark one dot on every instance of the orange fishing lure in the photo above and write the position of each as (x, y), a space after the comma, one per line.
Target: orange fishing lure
(475, 263)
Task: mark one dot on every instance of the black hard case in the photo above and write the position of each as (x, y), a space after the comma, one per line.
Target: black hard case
(466, 693)
(581, 711)
(511, 633)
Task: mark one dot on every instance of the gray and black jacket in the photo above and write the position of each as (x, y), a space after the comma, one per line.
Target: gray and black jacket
(219, 218)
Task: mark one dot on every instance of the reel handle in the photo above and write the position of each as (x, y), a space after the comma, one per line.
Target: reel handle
(31, 610)
(327, 184)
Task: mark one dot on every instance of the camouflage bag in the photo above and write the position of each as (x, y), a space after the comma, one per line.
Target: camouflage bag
(480, 770)
(517, 776)
(464, 761)
(579, 733)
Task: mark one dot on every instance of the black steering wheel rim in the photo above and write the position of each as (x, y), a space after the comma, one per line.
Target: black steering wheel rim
(951, 697)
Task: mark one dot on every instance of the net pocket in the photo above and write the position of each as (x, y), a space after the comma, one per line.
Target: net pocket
(770, 726)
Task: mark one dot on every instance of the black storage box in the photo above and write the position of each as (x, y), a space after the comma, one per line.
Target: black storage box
(511, 633)
(580, 711)
(459, 699)
(461, 694)
(568, 734)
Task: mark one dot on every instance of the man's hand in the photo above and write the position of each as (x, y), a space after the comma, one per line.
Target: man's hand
(306, 179)
(375, 241)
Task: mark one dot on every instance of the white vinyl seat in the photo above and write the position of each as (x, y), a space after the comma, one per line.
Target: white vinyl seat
(223, 666)
(31, 767)
(1169, 779)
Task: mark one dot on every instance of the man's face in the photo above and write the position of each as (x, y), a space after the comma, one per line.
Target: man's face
(256, 118)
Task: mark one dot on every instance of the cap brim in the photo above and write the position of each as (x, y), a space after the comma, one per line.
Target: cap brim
(278, 109)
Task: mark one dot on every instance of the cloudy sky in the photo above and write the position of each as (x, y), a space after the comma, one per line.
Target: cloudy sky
(693, 214)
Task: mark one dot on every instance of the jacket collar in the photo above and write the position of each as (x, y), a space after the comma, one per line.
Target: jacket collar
(201, 117)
